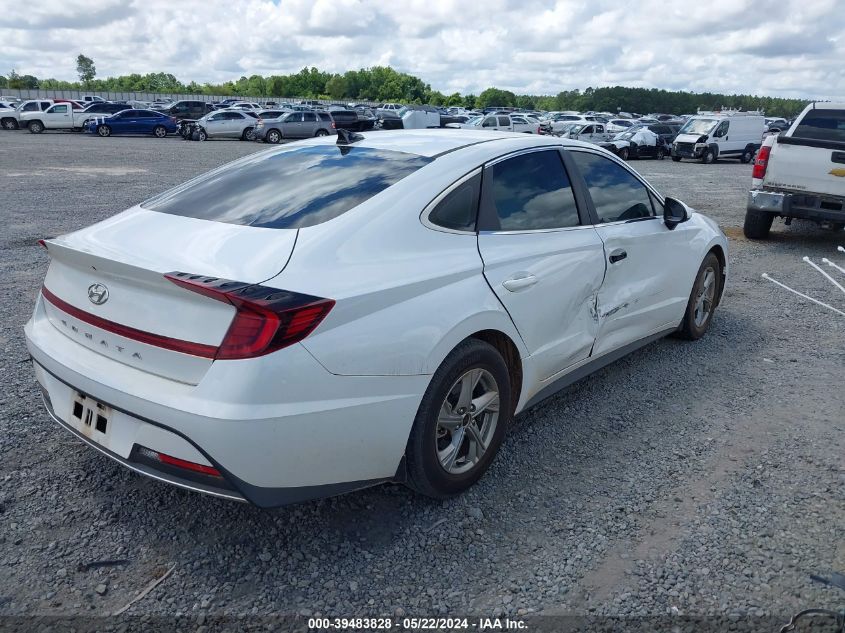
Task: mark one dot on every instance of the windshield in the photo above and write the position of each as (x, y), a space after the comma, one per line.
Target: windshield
(291, 188)
(698, 126)
(474, 120)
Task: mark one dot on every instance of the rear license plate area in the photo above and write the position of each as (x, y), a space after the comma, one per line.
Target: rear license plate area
(89, 417)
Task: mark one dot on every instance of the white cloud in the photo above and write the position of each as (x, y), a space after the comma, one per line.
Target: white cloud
(774, 47)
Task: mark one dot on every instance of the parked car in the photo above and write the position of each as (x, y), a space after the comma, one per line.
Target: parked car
(58, 116)
(346, 315)
(98, 109)
(11, 120)
(295, 125)
(190, 110)
(366, 117)
(708, 137)
(246, 105)
(587, 132)
(8, 116)
(346, 119)
(618, 125)
(638, 141)
(800, 173)
(91, 99)
(227, 124)
(151, 122)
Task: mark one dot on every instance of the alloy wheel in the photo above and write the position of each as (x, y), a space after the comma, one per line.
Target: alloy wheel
(467, 421)
(706, 297)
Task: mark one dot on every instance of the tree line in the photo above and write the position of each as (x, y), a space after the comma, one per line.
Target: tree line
(382, 83)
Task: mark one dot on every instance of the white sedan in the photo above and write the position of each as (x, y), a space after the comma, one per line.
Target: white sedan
(320, 317)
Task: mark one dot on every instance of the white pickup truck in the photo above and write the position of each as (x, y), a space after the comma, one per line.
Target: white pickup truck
(59, 116)
(800, 173)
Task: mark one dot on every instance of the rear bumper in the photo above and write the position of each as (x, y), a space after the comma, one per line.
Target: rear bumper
(797, 205)
(280, 429)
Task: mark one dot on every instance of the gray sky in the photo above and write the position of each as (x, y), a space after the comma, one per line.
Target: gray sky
(790, 48)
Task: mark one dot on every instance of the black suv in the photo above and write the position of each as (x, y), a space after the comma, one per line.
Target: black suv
(187, 109)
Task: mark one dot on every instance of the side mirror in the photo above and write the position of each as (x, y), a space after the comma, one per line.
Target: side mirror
(674, 212)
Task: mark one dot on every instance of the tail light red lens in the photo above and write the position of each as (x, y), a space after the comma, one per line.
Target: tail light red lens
(266, 319)
(762, 162)
(334, 125)
(178, 463)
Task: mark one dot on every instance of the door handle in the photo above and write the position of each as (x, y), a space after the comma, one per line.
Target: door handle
(617, 256)
(520, 281)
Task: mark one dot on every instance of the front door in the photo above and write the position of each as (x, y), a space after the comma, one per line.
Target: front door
(649, 273)
(543, 261)
(58, 116)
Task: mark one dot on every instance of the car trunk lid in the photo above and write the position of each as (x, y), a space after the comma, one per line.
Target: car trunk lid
(106, 287)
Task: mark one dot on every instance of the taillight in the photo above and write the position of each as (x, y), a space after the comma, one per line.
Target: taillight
(762, 162)
(334, 126)
(155, 456)
(266, 320)
(42, 244)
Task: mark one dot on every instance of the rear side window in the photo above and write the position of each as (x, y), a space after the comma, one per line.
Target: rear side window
(289, 188)
(325, 116)
(532, 192)
(309, 117)
(822, 125)
(617, 195)
(459, 209)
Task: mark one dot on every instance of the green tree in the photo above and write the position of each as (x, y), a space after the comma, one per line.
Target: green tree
(85, 69)
(336, 87)
(496, 97)
(3, 81)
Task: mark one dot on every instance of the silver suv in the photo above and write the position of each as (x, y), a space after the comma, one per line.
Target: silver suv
(294, 125)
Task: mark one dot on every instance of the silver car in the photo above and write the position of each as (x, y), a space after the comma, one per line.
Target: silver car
(294, 125)
(227, 124)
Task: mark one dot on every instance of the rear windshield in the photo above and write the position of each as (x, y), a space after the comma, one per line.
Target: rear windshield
(289, 189)
(823, 125)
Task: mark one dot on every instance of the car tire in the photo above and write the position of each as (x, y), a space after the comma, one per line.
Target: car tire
(9, 123)
(35, 127)
(747, 155)
(703, 300)
(676, 159)
(273, 136)
(103, 130)
(248, 134)
(757, 224)
(623, 153)
(661, 153)
(159, 131)
(202, 135)
(321, 132)
(708, 157)
(443, 459)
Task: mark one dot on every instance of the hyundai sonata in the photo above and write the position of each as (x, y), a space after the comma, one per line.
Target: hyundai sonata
(324, 316)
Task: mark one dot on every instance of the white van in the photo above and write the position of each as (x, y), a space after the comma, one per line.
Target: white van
(710, 136)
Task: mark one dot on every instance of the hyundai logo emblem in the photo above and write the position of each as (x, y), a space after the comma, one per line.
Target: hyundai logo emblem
(98, 294)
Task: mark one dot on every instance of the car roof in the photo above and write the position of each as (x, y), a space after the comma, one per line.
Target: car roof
(435, 142)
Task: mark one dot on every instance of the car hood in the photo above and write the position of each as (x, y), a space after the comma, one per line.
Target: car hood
(687, 138)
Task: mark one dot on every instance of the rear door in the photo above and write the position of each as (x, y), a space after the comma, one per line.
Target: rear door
(541, 256)
(308, 127)
(649, 270)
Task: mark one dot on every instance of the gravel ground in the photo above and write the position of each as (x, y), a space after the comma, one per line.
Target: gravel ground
(688, 478)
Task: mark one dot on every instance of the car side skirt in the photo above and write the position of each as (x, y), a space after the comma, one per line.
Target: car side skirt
(593, 366)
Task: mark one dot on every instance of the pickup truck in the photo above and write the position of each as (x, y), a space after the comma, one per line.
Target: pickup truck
(10, 120)
(800, 173)
(63, 116)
